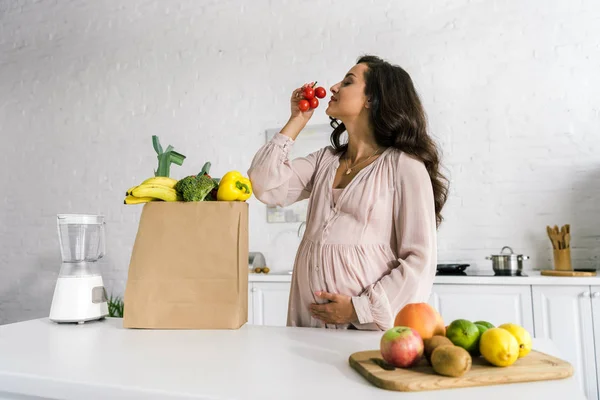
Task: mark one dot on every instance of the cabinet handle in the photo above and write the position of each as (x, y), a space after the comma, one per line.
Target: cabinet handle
(586, 294)
(596, 295)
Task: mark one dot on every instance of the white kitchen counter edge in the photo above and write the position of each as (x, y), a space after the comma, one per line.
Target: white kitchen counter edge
(102, 360)
(532, 278)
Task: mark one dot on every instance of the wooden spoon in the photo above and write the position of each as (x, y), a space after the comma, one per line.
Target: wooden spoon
(563, 233)
(557, 237)
(554, 238)
(550, 235)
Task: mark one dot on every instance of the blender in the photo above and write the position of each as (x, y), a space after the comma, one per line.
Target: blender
(79, 294)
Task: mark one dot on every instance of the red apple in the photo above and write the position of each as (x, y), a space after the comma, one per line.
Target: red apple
(401, 346)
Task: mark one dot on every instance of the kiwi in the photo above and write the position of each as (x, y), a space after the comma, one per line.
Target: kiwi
(433, 342)
(451, 361)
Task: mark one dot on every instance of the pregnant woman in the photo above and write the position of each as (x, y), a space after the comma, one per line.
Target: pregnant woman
(375, 200)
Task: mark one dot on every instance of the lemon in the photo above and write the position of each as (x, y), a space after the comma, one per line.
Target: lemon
(499, 347)
(522, 336)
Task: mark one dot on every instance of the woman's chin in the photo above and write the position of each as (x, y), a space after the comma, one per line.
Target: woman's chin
(329, 112)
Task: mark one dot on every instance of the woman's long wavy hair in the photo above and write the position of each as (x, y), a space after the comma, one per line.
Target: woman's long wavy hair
(399, 121)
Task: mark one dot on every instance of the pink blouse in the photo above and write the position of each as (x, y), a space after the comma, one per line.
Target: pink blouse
(375, 243)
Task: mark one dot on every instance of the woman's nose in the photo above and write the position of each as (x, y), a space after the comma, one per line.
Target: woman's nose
(334, 88)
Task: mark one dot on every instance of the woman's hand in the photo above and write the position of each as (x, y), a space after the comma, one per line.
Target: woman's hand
(298, 119)
(297, 95)
(339, 310)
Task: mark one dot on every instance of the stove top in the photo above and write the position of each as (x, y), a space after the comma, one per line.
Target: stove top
(462, 270)
(473, 273)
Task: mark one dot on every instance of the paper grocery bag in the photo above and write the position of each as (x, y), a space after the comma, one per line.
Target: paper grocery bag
(189, 267)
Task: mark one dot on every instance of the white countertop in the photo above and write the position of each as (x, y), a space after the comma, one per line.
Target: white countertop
(532, 278)
(102, 360)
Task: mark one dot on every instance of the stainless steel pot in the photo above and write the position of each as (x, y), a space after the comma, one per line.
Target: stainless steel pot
(507, 264)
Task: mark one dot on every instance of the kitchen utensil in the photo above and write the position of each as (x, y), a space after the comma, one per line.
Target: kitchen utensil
(554, 238)
(550, 232)
(451, 268)
(535, 366)
(507, 264)
(79, 294)
(256, 260)
(562, 259)
(582, 273)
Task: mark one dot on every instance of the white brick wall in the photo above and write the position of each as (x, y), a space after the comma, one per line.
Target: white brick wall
(511, 90)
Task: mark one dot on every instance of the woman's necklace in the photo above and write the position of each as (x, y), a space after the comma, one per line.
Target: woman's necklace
(349, 169)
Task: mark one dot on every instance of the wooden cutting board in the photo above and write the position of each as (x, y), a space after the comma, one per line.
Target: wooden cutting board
(554, 272)
(535, 366)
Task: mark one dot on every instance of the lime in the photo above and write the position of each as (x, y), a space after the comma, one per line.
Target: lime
(482, 329)
(464, 334)
(485, 323)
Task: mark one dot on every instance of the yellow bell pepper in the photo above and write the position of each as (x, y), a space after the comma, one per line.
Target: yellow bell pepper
(234, 187)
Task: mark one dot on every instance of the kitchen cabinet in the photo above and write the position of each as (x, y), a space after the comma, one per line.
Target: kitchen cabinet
(567, 314)
(250, 305)
(497, 304)
(269, 303)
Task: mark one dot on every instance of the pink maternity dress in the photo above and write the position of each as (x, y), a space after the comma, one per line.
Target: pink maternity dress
(374, 240)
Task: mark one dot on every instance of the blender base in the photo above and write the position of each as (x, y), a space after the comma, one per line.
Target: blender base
(78, 299)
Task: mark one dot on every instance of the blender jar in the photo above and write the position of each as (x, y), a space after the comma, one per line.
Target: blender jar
(82, 242)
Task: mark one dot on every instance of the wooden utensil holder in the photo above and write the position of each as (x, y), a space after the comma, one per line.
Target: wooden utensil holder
(562, 260)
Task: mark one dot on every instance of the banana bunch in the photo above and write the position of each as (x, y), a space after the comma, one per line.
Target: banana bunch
(157, 188)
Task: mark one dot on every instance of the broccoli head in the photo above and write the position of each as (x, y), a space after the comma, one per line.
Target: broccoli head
(195, 187)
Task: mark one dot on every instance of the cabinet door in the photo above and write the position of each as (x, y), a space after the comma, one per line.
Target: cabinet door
(564, 314)
(250, 306)
(493, 303)
(270, 303)
(596, 318)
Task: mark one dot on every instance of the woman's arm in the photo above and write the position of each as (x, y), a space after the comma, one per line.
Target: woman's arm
(415, 230)
(275, 179)
(278, 181)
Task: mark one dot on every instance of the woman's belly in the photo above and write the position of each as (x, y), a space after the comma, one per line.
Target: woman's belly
(334, 268)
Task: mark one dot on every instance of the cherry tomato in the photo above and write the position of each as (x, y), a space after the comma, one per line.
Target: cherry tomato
(320, 92)
(309, 93)
(314, 102)
(303, 105)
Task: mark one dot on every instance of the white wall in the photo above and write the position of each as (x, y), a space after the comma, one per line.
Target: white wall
(511, 90)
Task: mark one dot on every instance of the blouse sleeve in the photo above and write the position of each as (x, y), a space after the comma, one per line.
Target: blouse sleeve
(416, 243)
(278, 181)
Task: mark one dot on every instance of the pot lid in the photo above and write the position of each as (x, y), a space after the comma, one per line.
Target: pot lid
(503, 254)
